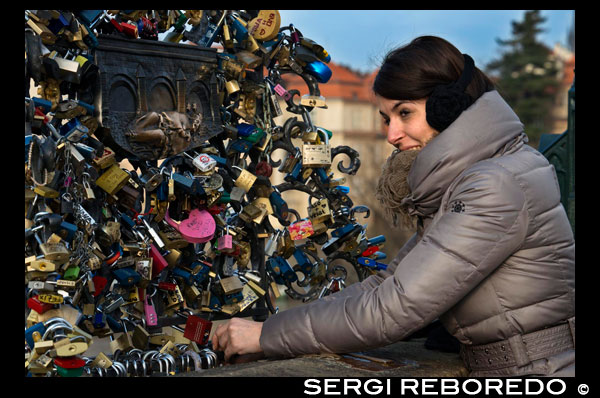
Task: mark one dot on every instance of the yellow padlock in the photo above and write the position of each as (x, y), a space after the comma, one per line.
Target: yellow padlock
(71, 349)
(113, 179)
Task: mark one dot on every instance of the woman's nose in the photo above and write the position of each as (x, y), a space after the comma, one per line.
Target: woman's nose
(394, 133)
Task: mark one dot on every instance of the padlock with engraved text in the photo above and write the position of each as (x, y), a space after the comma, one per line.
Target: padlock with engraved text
(318, 155)
(199, 227)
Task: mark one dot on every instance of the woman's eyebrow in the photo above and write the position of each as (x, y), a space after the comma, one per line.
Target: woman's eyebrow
(400, 102)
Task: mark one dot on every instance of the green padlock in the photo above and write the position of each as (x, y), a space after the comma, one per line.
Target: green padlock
(71, 273)
(255, 137)
(64, 372)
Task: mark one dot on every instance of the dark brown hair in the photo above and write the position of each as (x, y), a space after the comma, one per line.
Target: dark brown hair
(412, 71)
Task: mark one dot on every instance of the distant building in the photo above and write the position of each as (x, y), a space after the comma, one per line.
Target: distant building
(565, 60)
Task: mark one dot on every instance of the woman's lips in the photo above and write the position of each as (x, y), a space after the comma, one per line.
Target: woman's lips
(408, 148)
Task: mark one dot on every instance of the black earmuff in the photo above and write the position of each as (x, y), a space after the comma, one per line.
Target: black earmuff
(448, 101)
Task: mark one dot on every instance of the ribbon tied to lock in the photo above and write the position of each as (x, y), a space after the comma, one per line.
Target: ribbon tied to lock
(199, 227)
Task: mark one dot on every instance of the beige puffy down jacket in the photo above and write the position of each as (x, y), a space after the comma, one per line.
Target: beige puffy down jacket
(493, 257)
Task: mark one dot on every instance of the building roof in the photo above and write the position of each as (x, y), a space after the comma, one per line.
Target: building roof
(344, 83)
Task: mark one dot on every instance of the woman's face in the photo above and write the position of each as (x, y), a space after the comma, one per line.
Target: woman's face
(407, 127)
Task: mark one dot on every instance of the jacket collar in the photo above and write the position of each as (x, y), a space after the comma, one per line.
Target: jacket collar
(488, 128)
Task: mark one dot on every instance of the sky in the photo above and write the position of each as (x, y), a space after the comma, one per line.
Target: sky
(360, 38)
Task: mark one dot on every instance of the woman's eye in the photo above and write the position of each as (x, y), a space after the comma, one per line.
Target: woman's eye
(404, 113)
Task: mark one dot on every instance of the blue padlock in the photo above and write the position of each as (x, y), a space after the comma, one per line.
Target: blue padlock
(233, 298)
(114, 325)
(187, 277)
(127, 277)
(342, 188)
(280, 206)
(241, 146)
(42, 103)
(38, 327)
(295, 174)
(240, 33)
(67, 231)
(376, 240)
(162, 192)
(99, 320)
(367, 262)
(281, 270)
(380, 255)
(88, 16)
(73, 130)
(127, 220)
(322, 175)
(319, 70)
(215, 303)
(341, 231)
(303, 261)
(200, 277)
(245, 129)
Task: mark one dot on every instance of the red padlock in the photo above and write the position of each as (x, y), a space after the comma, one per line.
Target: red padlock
(197, 329)
(158, 261)
(35, 304)
(99, 284)
(116, 25)
(263, 169)
(371, 250)
(74, 362)
(167, 286)
(130, 30)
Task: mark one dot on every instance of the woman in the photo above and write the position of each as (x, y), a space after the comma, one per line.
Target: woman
(493, 255)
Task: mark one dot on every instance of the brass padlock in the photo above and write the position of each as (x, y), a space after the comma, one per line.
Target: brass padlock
(231, 285)
(318, 155)
(232, 87)
(313, 101)
(319, 212)
(101, 361)
(250, 212)
(113, 179)
(55, 252)
(245, 180)
(265, 26)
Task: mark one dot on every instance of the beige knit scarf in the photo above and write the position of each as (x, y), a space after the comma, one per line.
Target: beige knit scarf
(392, 187)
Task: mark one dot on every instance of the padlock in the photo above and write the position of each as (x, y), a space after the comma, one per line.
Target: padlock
(204, 162)
(281, 270)
(149, 310)
(317, 155)
(197, 329)
(113, 179)
(105, 160)
(265, 26)
(199, 227)
(301, 229)
(313, 101)
(245, 180)
(151, 179)
(55, 252)
(126, 277)
(225, 242)
(319, 212)
(231, 285)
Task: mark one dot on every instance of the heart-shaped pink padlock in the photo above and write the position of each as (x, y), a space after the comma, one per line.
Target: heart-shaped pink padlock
(199, 227)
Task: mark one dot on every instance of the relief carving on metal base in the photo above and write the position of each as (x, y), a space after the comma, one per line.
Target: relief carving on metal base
(157, 98)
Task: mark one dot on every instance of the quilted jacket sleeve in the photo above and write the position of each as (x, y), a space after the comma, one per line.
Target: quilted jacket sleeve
(456, 253)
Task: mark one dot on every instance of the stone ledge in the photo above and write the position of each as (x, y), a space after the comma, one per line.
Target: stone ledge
(403, 359)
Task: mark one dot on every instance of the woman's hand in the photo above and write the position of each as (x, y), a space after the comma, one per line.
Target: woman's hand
(238, 336)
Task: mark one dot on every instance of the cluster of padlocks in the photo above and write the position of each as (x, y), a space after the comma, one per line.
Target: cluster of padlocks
(178, 244)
